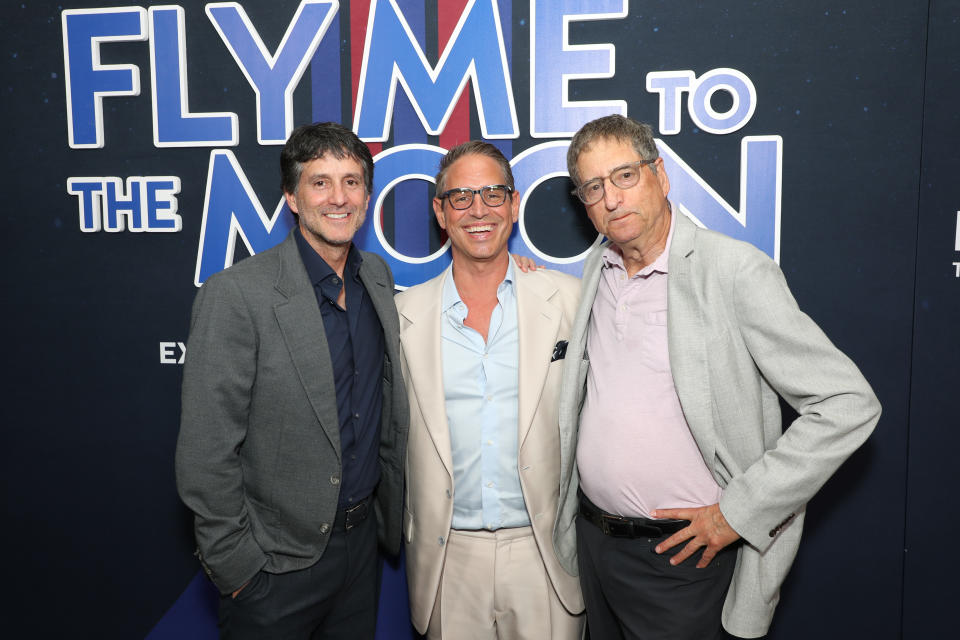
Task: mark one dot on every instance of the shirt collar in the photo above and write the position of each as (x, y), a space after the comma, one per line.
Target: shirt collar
(317, 268)
(612, 258)
(451, 296)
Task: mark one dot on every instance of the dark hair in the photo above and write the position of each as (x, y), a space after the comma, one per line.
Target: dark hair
(311, 141)
(613, 127)
(478, 148)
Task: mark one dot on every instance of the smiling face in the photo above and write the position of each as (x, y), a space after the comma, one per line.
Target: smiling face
(480, 233)
(633, 217)
(331, 200)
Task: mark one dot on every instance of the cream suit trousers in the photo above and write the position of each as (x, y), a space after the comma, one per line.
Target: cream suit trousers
(494, 586)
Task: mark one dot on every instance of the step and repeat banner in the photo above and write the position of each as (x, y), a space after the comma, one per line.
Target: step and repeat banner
(142, 156)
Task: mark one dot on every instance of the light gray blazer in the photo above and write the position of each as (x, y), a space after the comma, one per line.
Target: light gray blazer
(736, 340)
(258, 455)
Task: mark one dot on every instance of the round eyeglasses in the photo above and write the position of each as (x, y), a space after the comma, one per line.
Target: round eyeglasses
(623, 177)
(493, 195)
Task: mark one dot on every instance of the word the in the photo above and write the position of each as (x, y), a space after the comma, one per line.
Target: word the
(147, 204)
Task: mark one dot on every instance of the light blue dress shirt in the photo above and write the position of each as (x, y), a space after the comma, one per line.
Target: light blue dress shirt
(480, 383)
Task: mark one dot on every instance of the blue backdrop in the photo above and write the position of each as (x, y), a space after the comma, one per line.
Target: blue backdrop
(142, 156)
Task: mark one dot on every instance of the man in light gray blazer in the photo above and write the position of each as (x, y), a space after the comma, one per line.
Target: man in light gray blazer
(294, 414)
(671, 434)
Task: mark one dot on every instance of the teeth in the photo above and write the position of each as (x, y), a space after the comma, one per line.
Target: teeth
(480, 229)
(337, 216)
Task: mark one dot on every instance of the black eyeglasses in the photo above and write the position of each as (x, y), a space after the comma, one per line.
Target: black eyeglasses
(493, 195)
(623, 177)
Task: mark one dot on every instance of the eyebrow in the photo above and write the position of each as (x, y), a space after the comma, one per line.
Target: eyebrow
(619, 166)
(327, 176)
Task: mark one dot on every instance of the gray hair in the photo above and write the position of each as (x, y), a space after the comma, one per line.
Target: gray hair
(612, 127)
(477, 148)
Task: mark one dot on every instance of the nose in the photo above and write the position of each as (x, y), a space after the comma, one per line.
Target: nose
(477, 208)
(338, 195)
(612, 195)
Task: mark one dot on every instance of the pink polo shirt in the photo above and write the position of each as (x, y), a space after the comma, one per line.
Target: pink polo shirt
(635, 451)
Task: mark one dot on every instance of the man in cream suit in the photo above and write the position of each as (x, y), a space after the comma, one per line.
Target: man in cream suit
(691, 499)
(483, 347)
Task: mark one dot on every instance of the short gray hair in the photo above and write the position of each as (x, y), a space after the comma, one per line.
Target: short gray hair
(473, 148)
(612, 127)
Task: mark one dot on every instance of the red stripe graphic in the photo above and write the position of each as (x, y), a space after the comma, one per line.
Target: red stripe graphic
(359, 14)
(458, 126)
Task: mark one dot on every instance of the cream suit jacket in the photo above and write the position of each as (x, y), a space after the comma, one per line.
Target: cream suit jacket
(736, 341)
(546, 304)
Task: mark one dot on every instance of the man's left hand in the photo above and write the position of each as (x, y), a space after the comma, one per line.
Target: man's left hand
(708, 528)
(525, 263)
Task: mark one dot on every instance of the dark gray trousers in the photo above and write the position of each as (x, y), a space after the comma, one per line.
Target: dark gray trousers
(632, 593)
(334, 599)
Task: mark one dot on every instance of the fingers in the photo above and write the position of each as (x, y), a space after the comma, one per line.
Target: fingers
(673, 514)
(526, 264)
(686, 552)
(708, 529)
(674, 540)
(242, 587)
(709, 552)
(708, 555)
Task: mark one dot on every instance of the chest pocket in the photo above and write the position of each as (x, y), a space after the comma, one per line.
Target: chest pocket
(653, 340)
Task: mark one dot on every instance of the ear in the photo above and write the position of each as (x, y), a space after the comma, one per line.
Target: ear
(438, 211)
(515, 206)
(292, 202)
(662, 178)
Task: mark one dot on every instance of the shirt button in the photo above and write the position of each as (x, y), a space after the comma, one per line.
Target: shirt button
(334, 480)
(490, 442)
(324, 528)
(356, 415)
(490, 484)
(489, 398)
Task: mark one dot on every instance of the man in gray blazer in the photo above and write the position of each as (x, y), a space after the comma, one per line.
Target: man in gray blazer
(294, 414)
(671, 434)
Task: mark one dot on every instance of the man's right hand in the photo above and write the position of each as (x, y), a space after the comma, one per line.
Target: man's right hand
(242, 587)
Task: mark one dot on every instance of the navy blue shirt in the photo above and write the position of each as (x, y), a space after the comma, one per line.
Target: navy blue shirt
(355, 337)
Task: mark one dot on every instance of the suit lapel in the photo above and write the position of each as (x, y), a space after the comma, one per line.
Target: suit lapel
(571, 387)
(301, 326)
(421, 341)
(538, 326)
(685, 339)
(381, 295)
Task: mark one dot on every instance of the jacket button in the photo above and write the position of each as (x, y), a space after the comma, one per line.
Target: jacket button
(448, 493)
(324, 528)
(334, 480)
(773, 533)
(440, 540)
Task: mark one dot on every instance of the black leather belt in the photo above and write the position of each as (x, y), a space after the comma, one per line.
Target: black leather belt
(349, 517)
(621, 527)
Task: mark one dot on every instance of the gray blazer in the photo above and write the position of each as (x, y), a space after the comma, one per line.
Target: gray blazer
(736, 340)
(258, 455)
